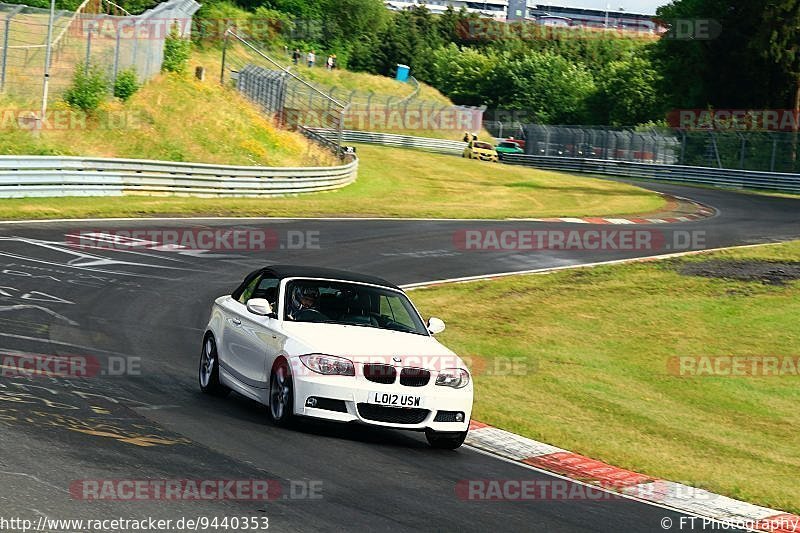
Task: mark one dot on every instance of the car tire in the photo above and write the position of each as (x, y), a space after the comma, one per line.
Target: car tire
(445, 441)
(281, 395)
(208, 373)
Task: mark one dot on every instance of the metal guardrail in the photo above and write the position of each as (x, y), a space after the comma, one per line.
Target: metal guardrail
(401, 141)
(322, 140)
(26, 176)
(737, 179)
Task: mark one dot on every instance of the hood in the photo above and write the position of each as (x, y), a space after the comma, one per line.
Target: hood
(366, 344)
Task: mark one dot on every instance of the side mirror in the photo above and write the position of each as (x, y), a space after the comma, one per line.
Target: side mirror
(259, 306)
(435, 325)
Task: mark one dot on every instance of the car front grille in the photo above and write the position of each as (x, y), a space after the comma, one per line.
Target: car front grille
(392, 415)
(376, 373)
(414, 377)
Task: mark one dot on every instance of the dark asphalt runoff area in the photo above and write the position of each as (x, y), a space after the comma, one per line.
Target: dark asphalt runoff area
(141, 312)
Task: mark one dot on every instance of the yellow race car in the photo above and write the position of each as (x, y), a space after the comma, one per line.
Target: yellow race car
(481, 150)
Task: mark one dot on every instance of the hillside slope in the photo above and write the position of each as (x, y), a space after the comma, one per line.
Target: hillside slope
(171, 118)
(375, 103)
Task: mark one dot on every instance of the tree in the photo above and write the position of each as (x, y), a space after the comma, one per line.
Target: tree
(89, 88)
(544, 86)
(453, 25)
(462, 73)
(720, 70)
(344, 21)
(396, 44)
(176, 52)
(778, 41)
(628, 93)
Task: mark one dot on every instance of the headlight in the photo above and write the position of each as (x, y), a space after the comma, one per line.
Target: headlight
(330, 365)
(453, 377)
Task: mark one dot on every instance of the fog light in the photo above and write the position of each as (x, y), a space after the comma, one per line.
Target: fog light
(311, 402)
(459, 417)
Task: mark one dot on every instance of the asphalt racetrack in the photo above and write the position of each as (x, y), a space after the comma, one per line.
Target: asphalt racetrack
(149, 307)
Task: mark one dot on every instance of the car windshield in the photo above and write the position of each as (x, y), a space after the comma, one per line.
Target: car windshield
(509, 145)
(483, 146)
(353, 304)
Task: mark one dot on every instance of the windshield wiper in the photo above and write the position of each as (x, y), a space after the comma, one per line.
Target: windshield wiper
(339, 322)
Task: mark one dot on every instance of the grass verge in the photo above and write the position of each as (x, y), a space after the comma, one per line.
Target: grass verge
(391, 183)
(595, 346)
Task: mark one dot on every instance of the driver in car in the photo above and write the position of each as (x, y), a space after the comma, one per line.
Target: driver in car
(303, 299)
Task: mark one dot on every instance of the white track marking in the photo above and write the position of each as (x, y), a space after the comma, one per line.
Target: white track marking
(50, 312)
(483, 277)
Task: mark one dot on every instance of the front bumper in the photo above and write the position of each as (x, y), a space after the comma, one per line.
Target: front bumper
(355, 390)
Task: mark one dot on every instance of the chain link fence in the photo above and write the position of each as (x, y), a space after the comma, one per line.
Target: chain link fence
(651, 146)
(766, 151)
(98, 35)
(504, 130)
(296, 101)
(291, 101)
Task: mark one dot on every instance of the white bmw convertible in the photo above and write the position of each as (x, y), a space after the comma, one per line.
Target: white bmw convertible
(338, 346)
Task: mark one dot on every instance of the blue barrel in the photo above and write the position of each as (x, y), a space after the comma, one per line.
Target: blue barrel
(402, 72)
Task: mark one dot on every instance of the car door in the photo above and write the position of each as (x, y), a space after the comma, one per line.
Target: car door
(261, 334)
(252, 341)
(232, 348)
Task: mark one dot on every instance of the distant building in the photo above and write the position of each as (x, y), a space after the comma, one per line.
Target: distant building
(552, 20)
(517, 9)
(593, 18)
(546, 14)
(495, 9)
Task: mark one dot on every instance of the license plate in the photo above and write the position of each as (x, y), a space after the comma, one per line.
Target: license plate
(389, 399)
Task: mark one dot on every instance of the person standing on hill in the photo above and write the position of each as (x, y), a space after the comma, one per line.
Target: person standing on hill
(311, 58)
(329, 63)
(296, 55)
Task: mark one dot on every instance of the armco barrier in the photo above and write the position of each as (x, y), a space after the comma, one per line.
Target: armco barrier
(25, 176)
(737, 179)
(718, 177)
(401, 141)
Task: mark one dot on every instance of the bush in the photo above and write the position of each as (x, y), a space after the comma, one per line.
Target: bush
(89, 88)
(126, 84)
(176, 52)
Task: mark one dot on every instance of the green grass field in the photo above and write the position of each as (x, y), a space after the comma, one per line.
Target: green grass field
(391, 183)
(594, 346)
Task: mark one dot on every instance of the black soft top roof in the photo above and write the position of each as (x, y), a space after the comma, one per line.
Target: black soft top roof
(297, 271)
